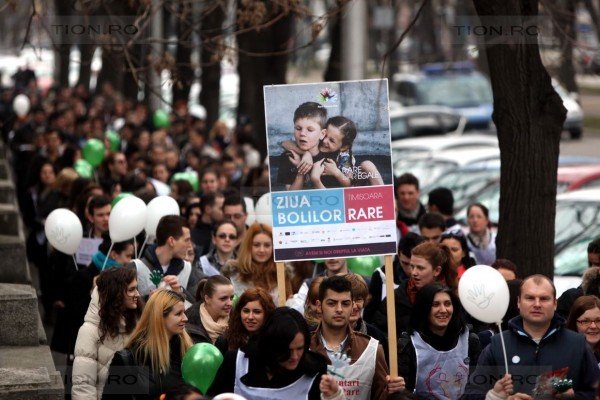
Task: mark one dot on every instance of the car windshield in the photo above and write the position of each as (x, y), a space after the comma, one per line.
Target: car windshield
(464, 184)
(573, 218)
(398, 128)
(425, 169)
(455, 91)
(572, 260)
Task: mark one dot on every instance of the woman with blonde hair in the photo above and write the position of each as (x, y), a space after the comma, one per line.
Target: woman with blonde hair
(255, 266)
(154, 351)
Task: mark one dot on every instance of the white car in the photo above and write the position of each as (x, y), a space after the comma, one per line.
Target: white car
(415, 121)
(577, 225)
(430, 145)
(428, 167)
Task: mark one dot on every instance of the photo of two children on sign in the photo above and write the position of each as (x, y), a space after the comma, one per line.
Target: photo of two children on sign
(328, 135)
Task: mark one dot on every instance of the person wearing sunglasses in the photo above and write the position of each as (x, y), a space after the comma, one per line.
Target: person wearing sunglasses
(585, 319)
(224, 241)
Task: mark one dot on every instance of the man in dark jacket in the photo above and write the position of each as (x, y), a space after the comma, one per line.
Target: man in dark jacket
(537, 342)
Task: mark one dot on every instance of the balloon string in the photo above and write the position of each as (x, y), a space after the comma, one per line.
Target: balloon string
(503, 347)
(142, 248)
(135, 248)
(75, 261)
(107, 255)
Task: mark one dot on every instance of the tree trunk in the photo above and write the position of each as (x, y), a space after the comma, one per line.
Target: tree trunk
(529, 115)
(64, 48)
(564, 14)
(211, 53)
(593, 11)
(255, 72)
(184, 73)
(426, 28)
(334, 66)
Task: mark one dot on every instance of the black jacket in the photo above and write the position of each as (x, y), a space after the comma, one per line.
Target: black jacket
(128, 378)
(559, 348)
(403, 309)
(194, 326)
(376, 285)
(312, 364)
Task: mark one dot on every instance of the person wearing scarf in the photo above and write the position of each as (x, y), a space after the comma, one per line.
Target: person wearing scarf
(430, 263)
(209, 317)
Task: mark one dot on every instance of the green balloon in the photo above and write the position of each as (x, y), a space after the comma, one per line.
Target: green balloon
(190, 176)
(114, 140)
(84, 169)
(200, 365)
(93, 152)
(364, 266)
(235, 300)
(119, 197)
(161, 119)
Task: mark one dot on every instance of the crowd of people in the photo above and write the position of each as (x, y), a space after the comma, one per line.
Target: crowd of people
(210, 277)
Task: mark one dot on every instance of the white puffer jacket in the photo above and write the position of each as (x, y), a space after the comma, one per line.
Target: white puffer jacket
(92, 357)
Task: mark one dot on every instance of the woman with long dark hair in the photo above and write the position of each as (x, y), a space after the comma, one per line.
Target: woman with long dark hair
(436, 353)
(279, 366)
(252, 310)
(456, 242)
(111, 317)
(152, 356)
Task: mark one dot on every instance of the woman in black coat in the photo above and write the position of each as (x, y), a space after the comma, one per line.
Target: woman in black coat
(150, 364)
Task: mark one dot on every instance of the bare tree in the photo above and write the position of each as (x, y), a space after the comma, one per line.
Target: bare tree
(529, 116)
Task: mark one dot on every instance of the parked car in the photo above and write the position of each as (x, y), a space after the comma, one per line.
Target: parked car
(570, 178)
(430, 167)
(455, 85)
(415, 121)
(428, 146)
(574, 121)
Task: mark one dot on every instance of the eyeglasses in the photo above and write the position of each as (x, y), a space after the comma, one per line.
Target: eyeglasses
(225, 236)
(588, 322)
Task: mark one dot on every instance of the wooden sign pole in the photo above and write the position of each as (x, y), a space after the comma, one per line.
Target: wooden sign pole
(391, 316)
(281, 283)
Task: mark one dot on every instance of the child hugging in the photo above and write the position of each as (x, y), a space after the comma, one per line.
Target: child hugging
(330, 163)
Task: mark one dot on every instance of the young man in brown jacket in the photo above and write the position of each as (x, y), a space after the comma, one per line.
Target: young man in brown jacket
(356, 360)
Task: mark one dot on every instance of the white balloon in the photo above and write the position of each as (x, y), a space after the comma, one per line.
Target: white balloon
(264, 214)
(158, 208)
(63, 230)
(484, 293)
(127, 219)
(229, 396)
(250, 211)
(21, 105)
